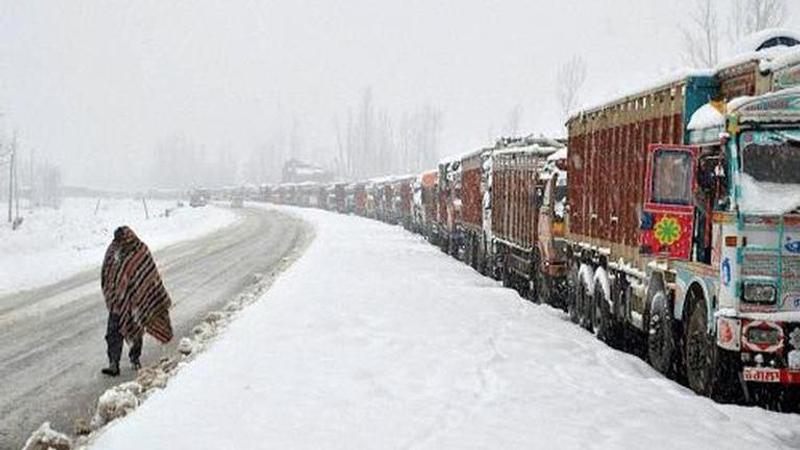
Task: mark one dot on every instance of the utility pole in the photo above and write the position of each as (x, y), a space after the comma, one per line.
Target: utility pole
(16, 185)
(11, 186)
(30, 180)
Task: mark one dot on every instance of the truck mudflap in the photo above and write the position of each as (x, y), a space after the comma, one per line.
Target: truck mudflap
(771, 375)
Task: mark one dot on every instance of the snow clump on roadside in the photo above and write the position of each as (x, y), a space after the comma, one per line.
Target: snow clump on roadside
(186, 346)
(116, 402)
(45, 438)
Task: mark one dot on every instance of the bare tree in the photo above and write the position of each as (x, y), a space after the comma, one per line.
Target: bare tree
(296, 146)
(751, 16)
(374, 143)
(701, 35)
(513, 119)
(571, 78)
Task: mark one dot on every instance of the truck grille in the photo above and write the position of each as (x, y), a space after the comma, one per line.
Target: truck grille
(766, 265)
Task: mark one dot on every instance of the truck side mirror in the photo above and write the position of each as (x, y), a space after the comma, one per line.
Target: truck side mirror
(706, 177)
(539, 195)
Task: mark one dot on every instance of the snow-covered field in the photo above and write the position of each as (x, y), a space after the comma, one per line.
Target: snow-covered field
(375, 339)
(54, 244)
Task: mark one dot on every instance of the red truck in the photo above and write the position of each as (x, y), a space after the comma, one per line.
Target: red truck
(403, 200)
(470, 223)
(450, 239)
(360, 199)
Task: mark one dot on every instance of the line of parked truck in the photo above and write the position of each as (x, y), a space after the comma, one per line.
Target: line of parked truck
(669, 218)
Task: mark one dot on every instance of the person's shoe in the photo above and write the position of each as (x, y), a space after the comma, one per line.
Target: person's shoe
(136, 365)
(112, 370)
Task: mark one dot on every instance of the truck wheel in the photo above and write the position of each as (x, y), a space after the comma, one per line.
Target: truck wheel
(601, 317)
(505, 276)
(542, 288)
(699, 361)
(586, 305)
(710, 370)
(660, 339)
(573, 293)
(474, 255)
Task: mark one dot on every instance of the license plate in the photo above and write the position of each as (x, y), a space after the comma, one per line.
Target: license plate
(762, 375)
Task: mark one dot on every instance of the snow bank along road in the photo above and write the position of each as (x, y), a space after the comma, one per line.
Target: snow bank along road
(56, 243)
(375, 339)
(52, 338)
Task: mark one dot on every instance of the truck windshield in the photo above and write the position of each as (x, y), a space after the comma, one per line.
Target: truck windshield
(560, 194)
(770, 171)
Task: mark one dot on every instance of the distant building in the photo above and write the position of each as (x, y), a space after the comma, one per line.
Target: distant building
(296, 171)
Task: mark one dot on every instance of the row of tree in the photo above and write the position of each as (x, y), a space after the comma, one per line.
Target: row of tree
(179, 163)
(702, 38)
(372, 142)
(369, 142)
(23, 179)
(708, 28)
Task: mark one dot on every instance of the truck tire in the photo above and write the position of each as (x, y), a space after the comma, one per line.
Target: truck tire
(505, 276)
(542, 287)
(699, 357)
(533, 290)
(585, 306)
(710, 371)
(474, 256)
(572, 295)
(601, 316)
(661, 348)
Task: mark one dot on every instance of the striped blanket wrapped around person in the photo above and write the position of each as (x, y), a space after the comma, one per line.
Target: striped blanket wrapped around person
(133, 288)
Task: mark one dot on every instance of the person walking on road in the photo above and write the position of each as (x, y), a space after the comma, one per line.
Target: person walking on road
(135, 296)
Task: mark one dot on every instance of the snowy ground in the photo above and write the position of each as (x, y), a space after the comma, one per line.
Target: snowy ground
(374, 339)
(54, 244)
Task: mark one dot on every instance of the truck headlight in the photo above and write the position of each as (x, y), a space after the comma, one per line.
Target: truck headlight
(764, 336)
(759, 293)
(794, 359)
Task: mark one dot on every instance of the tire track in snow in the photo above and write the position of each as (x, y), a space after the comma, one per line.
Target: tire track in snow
(488, 383)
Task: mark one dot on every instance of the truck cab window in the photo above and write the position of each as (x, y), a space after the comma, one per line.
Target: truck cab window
(672, 176)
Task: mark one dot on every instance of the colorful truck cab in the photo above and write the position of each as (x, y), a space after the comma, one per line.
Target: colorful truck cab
(550, 278)
(755, 235)
(682, 223)
(426, 204)
(450, 236)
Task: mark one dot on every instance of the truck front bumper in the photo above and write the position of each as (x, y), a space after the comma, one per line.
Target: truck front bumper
(769, 350)
(770, 375)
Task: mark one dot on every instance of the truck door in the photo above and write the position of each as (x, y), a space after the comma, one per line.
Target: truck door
(667, 221)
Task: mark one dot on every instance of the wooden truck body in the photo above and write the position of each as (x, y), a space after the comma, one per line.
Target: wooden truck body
(515, 190)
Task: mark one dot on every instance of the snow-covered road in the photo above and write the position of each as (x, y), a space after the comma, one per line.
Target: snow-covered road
(51, 338)
(375, 339)
(54, 244)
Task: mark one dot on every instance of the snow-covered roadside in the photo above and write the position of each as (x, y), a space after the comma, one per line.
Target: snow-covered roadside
(375, 339)
(54, 244)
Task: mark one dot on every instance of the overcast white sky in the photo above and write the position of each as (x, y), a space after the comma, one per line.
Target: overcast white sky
(94, 85)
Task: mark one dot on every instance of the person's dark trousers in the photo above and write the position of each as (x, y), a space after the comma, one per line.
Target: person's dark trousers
(115, 340)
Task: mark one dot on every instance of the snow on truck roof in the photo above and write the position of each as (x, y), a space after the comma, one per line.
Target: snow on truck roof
(560, 154)
(668, 81)
(710, 116)
(772, 49)
(391, 179)
(532, 149)
(762, 39)
(530, 143)
(707, 116)
(765, 106)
